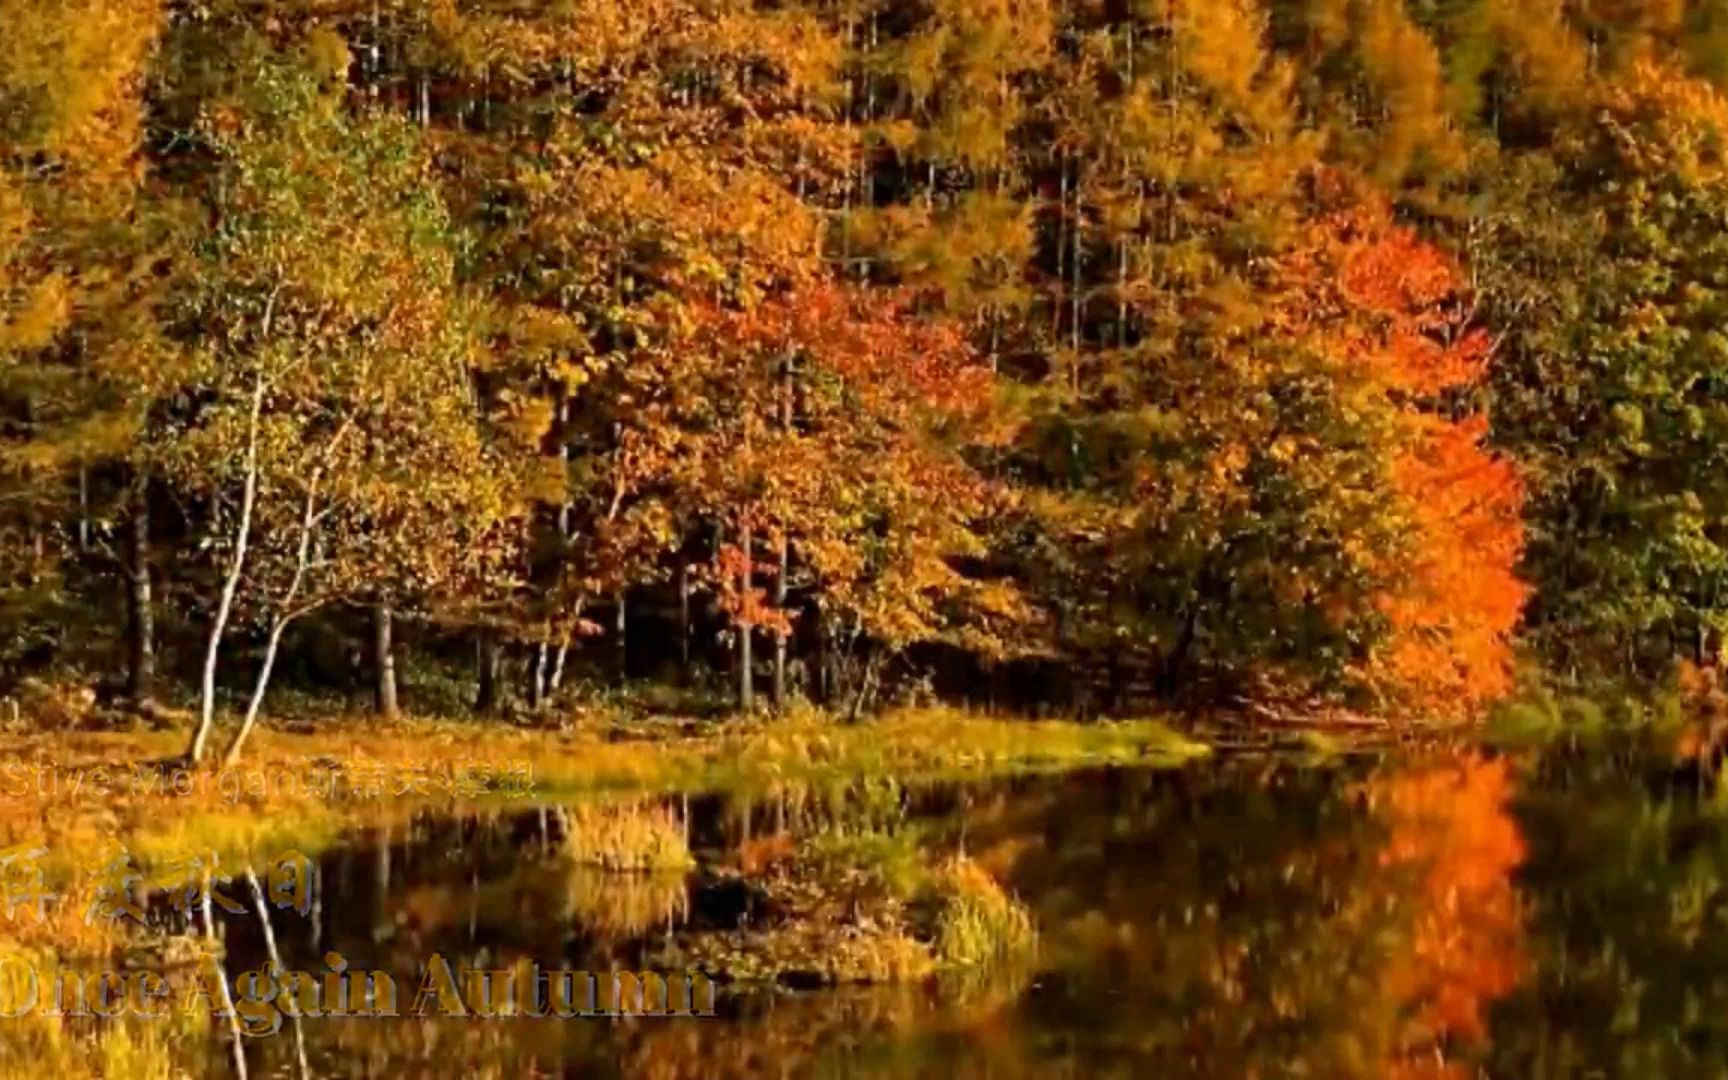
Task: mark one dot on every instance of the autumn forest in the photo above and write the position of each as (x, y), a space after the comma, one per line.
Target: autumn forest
(1013, 537)
(1056, 356)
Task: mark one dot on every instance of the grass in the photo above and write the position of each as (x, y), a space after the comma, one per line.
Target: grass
(895, 858)
(857, 902)
(263, 810)
(129, 1047)
(91, 800)
(1683, 714)
(864, 896)
(625, 838)
(952, 903)
(623, 906)
(979, 923)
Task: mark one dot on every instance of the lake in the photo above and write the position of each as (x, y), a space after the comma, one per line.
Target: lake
(1443, 916)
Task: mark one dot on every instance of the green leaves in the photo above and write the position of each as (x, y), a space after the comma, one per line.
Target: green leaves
(331, 286)
(1612, 369)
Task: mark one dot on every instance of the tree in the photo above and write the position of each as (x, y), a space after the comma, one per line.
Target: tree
(1453, 605)
(331, 435)
(1610, 388)
(843, 443)
(79, 347)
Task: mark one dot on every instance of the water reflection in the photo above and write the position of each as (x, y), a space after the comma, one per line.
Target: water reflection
(1443, 918)
(1266, 921)
(1626, 921)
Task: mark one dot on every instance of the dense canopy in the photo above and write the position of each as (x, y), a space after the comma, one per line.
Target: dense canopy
(1052, 350)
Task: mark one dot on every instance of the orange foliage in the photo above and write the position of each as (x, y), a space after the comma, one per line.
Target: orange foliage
(1420, 344)
(893, 362)
(1450, 825)
(750, 607)
(844, 408)
(1453, 616)
(1453, 599)
(1705, 706)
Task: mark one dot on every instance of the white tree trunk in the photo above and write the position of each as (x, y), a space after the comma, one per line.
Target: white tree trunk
(302, 560)
(231, 585)
(258, 688)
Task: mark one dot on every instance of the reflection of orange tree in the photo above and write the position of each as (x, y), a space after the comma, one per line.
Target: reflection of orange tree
(1251, 920)
(1449, 827)
(1243, 922)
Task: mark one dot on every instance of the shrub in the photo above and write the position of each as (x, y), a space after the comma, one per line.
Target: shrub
(978, 921)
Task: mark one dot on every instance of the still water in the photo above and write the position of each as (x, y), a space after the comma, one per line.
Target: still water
(1443, 917)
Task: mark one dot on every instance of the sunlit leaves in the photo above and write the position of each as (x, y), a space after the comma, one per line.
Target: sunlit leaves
(329, 293)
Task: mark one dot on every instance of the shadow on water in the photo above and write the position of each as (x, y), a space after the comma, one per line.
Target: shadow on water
(1447, 917)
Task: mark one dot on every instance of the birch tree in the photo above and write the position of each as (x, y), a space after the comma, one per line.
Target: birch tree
(332, 440)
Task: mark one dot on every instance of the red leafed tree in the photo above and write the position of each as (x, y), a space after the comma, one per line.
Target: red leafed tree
(1453, 613)
(1451, 598)
(836, 464)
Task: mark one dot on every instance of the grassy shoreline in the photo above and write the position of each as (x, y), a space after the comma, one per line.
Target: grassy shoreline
(85, 795)
(77, 800)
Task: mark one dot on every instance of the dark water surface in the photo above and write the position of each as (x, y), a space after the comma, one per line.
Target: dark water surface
(1443, 917)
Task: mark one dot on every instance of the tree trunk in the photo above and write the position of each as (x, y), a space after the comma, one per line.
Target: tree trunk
(684, 619)
(225, 605)
(537, 677)
(277, 968)
(780, 635)
(140, 613)
(556, 678)
(258, 688)
(540, 676)
(288, 614)
(235, 1035)
(384, 660)
(1175, 662)
(621, 624)
(83, 508)
(746, 664)
(1122, 292)
(787, 395)
(866, 687)
(1076, 233)
(1061, 251)
(486, 699)
(870, 110)
(824, 658)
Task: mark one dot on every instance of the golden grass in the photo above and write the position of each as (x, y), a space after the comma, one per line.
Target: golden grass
(385, 772)
(36, 1044)
(625, 837)
(86, 798)
(626, 905)
(979, 923)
